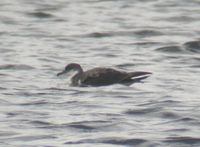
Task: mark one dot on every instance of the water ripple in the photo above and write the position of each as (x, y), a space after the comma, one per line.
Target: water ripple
(41, 15)
(193, 46)
(116, 141)
(31, 138)
(16, 67)
(142, 111)
(171, 49)
(40, 102)
(139, 33)
(183, 139)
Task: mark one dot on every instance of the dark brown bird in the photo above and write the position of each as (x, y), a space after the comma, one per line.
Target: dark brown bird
(102, 76)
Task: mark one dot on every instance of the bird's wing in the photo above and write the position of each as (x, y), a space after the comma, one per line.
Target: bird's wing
(133, 77)
(102, 76)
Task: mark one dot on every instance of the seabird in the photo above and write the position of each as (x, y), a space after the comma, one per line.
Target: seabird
(102, 76)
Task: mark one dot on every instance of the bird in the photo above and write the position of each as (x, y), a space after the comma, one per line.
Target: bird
(101, 76)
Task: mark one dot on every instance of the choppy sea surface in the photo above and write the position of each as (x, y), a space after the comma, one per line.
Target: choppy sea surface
(38, 38)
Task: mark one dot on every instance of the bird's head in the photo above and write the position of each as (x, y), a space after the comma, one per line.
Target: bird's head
(70, 67)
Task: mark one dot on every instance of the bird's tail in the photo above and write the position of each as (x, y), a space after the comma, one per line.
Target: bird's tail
(138, 74)
(135, 77)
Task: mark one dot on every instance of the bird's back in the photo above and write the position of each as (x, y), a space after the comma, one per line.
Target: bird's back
(102, 76)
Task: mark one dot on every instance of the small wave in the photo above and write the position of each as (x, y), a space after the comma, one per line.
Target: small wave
(26, 113)
(184, 120)
(79, 92)
(7, 134)
(169, 115)
(16, 67)
(2, 88)
(99, 35)
(114, 140)
(40, 14)
(170, 49)
(193, 46)
(45, 125)
(2, 33)
(4, 102)
(109, 55)
(119, 141)
(141, 33)
(147, 43)
(141, 111)
(178, 130)
(32, 93)
(181, 19)
(184, 139)
(88, 125)
(42, 102)
(161, 103)
(144, 33)
(125, 65)
(55, 89)
(32, 138)
(188, 119)
(37, 122)
(6, 50)
(83, 127)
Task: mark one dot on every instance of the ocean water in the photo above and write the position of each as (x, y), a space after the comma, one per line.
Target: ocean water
(38, 38)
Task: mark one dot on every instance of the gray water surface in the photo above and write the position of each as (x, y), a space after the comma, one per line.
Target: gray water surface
(38, 38)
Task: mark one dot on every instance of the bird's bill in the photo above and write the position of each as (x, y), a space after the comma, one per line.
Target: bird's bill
(65, 72)
(62, 73)
(141, 74)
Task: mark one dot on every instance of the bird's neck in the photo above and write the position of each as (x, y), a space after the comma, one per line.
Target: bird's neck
(76, 79)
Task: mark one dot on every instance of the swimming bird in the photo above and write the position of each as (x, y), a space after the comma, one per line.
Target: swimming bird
(102, 76)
